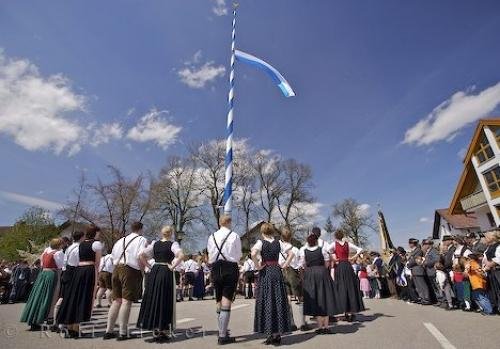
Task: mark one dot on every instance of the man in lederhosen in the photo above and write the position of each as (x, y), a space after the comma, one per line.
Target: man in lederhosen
(224, 253)
(126, 280)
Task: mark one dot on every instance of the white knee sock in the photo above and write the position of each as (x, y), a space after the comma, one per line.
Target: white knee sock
(56, 309)
(123, 316)
(225, 314)
(112, 315)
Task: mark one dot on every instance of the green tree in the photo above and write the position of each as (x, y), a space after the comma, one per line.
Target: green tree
(34, 227)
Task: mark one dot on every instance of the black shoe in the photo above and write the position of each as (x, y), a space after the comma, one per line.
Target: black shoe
(226, 340)
(333, 319)
(327, 331)
(269, 340)
(109, 335)
(276, 340)
(294, 328)
(190, 299)
(98, 306)
(304, 328)
(320, 331)
(35, 327)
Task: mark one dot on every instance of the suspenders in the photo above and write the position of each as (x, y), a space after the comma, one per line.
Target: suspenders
(221, 246)
(125, 249)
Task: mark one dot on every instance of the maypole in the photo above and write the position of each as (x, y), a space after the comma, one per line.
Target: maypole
(228, 183)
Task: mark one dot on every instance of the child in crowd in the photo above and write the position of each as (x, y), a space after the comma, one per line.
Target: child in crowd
(364, 283)
(374, 281)
(444, 285)
(478, 284)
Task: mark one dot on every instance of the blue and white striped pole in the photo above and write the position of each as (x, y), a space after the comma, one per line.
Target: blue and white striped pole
(228, 183)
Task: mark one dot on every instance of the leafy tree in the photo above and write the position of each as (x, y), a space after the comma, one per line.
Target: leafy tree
(34, 227)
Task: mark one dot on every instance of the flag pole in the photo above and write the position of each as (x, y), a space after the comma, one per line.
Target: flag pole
(228, 182)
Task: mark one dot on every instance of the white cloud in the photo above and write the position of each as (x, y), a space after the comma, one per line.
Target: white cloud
(448, 118)
(196, 76)
(152, 127)
(219, 8)
(35, 110)
(424, 220)
(364, 209)
(31, 201)
(461, 153)
(105, 133)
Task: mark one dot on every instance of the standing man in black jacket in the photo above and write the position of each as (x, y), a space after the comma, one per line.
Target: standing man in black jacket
(415, 264)
(431, 257)
(447, 253)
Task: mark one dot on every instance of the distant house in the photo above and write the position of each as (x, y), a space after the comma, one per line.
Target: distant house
(250, 238)
(478, 190)
(453, 224)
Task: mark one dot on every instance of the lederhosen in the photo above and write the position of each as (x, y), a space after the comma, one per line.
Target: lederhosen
(126, 281)
(190, 277)
(249, 276)
(224, 274)
(104, 280)
(67, 275)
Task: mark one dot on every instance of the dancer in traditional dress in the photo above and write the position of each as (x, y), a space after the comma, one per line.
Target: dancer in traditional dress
(491, 262)
(350, 299)
(199, 282)
(106, 268)
(45, 291)
(179, 275)
(291, 274)
(224, 253)
(126, 280)
(190, 269)
(248, 271)
(158, 303)
(320, 299)
(78, 299)
(71, 260)
(272, 312)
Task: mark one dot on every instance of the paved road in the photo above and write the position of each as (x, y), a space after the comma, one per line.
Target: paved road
(387, 324)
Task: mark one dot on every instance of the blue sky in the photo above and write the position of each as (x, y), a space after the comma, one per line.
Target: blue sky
(365, 74)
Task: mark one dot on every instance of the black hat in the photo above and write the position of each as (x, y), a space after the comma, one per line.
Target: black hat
(447, 238)
(413, 241)
(427, 242)
(471, 235)
(401, 250)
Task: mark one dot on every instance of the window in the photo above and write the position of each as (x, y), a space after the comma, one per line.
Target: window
(492, 178)
(496, 132)
(490, 219)
(484, 151)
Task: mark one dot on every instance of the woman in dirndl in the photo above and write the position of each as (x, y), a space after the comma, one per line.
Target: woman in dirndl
(45, 291)
(350, 298)
(272, 313)
(157, 311)
(78, 300)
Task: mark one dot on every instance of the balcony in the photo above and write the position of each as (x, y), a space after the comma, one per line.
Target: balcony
(473, 200)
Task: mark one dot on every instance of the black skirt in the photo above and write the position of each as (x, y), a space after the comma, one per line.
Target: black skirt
(66, 278)
(494, 288)
(158, 303)
(272, 312)
(349, 298)
(78, 298)
(320, 297)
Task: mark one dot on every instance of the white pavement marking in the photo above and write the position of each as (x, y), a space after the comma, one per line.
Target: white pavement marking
(239, 306)
(445, 343)
(186, 319)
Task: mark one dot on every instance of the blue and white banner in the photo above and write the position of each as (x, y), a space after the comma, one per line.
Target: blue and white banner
(269, 69)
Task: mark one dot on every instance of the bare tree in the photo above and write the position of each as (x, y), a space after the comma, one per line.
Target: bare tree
(296, 186)
(268, 169)
(353, 220)
(176, 192)
(246, 194)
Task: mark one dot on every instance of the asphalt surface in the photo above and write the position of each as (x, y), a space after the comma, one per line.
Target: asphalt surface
(386, 324)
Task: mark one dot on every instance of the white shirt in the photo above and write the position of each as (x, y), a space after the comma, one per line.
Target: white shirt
(289, 248)
(191, 266)
(132, 252)
(106, 263)
(58, 257)
(231, 249)
(302, 253)
(72, 255)
(179, 267)
(495, 259)
(458, 252)
(249, 265)
(441, 278)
